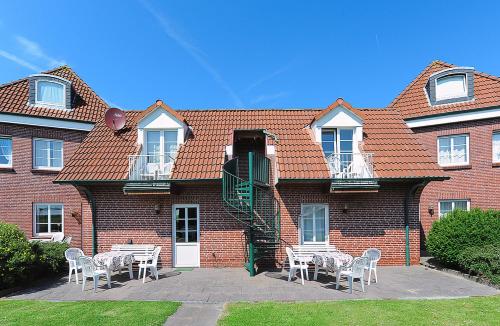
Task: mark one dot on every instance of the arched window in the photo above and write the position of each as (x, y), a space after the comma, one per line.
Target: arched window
(452, 86)
(50, 93)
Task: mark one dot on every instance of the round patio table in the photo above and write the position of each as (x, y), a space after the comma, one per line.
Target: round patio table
(115, 260)
(330, 261)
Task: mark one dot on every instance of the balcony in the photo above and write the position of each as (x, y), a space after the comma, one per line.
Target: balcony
(150, 167)
(351, 171)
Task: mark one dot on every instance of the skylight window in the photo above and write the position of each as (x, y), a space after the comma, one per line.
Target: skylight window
(449, 87)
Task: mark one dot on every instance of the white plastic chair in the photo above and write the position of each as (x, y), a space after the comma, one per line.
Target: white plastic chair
(57, 237)
(89, 269)
(373, 256)
(72, 255)
(302, 265)
(153, 266)
(355, 270)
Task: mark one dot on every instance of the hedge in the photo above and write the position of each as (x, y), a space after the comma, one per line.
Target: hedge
(22, 261)
(482, 261)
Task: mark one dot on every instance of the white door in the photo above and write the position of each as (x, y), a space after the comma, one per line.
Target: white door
(186, 235)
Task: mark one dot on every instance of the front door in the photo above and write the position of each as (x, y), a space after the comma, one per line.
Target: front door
(186, 235)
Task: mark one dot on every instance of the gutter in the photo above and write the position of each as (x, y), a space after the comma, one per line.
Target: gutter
(409, 195)
(93, 207)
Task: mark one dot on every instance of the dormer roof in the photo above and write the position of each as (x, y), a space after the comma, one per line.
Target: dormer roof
(161, 104)
(339, 103)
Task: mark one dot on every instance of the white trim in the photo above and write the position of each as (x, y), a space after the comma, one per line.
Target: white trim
(327, 223)
(49, 104)
(47, 168)
(11, 151)
(452, 201)
(174, 207)
(45, 122)
(453, 118)
(450, 70)
(467, 149)
(48, 219)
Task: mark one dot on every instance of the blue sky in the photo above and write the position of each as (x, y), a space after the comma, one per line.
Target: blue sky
(253, 54)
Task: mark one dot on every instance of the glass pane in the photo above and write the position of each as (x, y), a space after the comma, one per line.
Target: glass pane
(461, 204)
(180, 237)
(56, 214)
(328, 135)
(444, 207)
(192, 236)
(41, 153)
(5, 151)
(346, 146)
(192, 225)
(328, 148)
(56, 154)
(50, 92)
(153, 146)
(56, 227)
(42, 214)
(459, 140)
(346, 134)
(307, 229)
(192, 214)
(451, 87)
(42, 228)
(319, 221)
(307, 211)
(496, 147)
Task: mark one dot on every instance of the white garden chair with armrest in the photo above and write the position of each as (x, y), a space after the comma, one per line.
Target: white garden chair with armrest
(72, 255)
(89, 269)
(373, 256)
(292, 261)
(57, 237)
(355, 270)
(153, 265)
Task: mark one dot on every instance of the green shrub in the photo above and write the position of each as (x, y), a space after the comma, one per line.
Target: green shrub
(482, 260)
(460, 230)
(16, 257)
(49, 257)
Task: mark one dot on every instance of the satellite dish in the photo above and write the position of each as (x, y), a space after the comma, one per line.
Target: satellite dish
(115, 119)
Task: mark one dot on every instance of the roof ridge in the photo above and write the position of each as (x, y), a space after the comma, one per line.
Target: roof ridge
(407, 88)
(42, 72)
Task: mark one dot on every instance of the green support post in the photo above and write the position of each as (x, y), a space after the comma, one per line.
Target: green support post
(251, 248)
(407, 241)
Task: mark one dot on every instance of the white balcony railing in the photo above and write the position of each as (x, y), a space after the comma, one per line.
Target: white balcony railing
(150, 167)
(351, 165)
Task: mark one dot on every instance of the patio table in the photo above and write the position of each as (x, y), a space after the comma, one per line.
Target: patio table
(330, 261)
(115, 260)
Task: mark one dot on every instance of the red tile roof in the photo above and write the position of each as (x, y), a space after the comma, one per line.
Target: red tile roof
(397, 153)
(88, 106)
(413, 101)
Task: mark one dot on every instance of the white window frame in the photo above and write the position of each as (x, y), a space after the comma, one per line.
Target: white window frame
(467, 150)
(37, 167)
(327, 224)
(162, 141)
(337, 137)
(50, 104)
(495, 133)
(451, 97)
(11, 152)
(35, 205)
(452, 201)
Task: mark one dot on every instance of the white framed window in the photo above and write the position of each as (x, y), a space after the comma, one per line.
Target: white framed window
(314, 226)
(47, 154)
(48, 218)
(496, 146)
(453, 150)
(446, 206)
(5, 152)
(50, 93)
(161, 145)
(452, 86)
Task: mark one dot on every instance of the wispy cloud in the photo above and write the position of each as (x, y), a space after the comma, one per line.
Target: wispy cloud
(265, 78)
(196, 53)
(33, 49)
(269, 97)
(19, 61)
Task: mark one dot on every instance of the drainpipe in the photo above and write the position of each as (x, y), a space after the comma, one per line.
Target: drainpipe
(93, 207)
(408, 197)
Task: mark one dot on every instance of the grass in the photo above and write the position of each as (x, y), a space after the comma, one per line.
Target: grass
(31, 312)
(470, 311)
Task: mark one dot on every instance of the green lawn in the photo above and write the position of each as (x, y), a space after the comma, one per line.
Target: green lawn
(470, 311)
(28, 312)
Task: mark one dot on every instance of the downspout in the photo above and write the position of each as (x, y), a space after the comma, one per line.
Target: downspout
(93, 207)
(408, 197)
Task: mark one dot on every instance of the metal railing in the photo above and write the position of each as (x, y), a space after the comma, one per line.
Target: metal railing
(150, 167)
(260, 168)
(351, 165)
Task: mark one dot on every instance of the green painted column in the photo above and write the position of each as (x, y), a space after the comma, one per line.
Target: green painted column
(251, 249)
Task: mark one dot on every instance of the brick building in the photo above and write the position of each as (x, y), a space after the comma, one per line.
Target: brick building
(455, 113)
(213, 186)
(43, 119)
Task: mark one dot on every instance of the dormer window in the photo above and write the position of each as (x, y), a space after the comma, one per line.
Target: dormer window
(49, 91)
(451, 86)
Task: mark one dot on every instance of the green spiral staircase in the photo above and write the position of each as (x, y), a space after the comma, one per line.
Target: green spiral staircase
(250, 200)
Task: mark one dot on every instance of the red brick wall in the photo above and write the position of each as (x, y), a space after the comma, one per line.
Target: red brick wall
(21, 187)
(372, 220)
(478, 183)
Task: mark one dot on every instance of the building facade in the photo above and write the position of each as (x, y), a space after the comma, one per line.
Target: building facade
(455, 113)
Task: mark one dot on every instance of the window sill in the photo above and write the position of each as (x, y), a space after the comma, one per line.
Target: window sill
(456, 167)
(45, 171)
(6, 169)
(496, 164)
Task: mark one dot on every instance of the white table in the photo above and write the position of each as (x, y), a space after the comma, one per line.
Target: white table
(115, 260)
(330, 262)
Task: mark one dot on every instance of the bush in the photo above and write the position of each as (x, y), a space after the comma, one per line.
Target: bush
(460, 230)
(482, 260)
(49, 257)
(16, 257)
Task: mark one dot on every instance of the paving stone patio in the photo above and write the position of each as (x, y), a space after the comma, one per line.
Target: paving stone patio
(210, 285)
